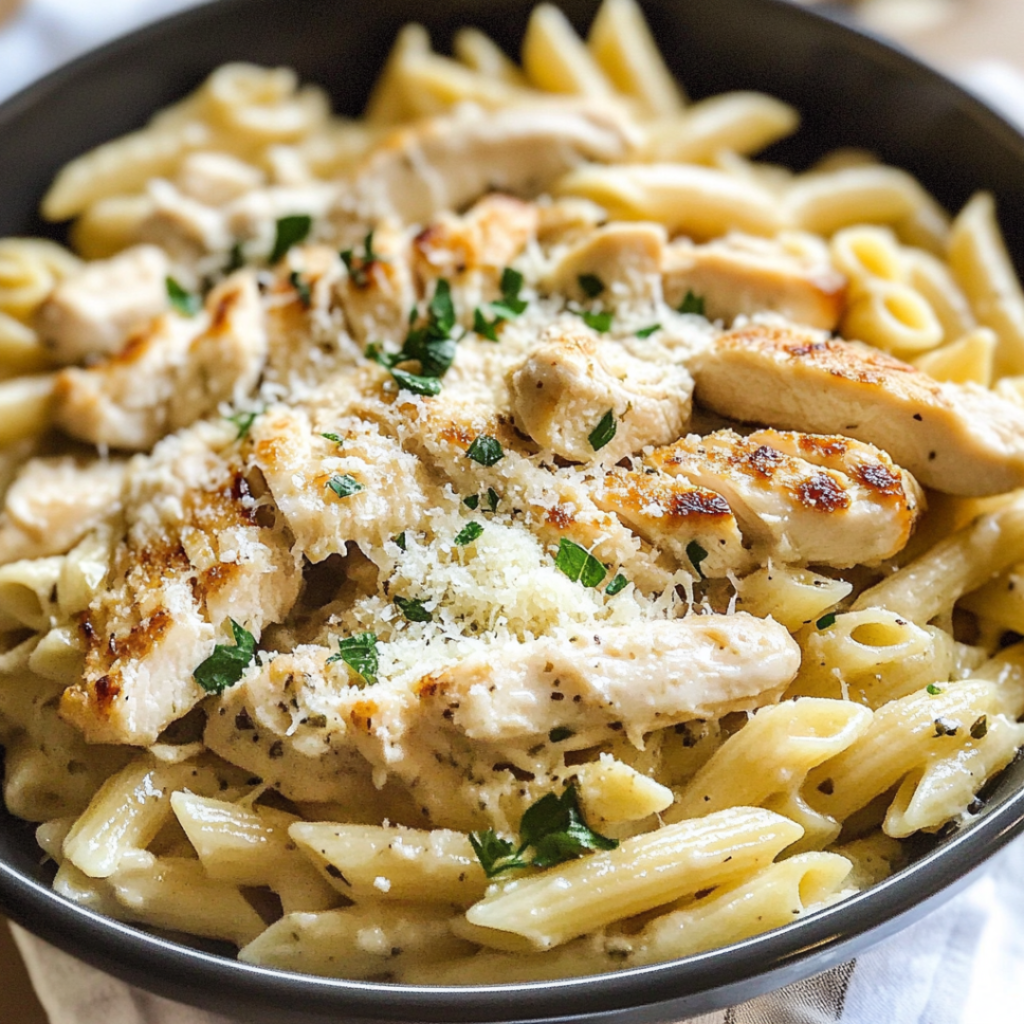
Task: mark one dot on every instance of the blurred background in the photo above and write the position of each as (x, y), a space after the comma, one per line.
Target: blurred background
(978, 42)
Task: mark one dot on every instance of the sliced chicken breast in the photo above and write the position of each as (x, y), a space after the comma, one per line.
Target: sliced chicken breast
(568, 386)
(92, 312)
(446, 163)
(845, 504)
(954, 438)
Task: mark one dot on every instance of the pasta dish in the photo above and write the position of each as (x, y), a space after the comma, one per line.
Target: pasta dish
(512, 535)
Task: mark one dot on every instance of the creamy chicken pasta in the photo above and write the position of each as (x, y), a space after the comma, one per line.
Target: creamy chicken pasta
(510, 536)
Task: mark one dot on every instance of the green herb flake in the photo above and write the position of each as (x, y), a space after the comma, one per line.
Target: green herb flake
(979, 729)
(510, 305)
(560, 733)
(301, 286)
(236, 259)
(933, 689)
(555, 828)
(359, 265)
(646, 332)
(492, 500)
(600, 322)
(289, 231)
(591, 285)
(400, 540)
(227, 664)
(486, 450)
(579, 564)
(469, 533)
(826, 621)
(184, 302)
(692, 304)
(485, 328)
(472, 502)
(243, 422)
(696, 554)
(617, 584)
(495, 854)
(344, 486)
(413, 610)
(336, 438)
(416, 383)
(604, 431)
(359, 652)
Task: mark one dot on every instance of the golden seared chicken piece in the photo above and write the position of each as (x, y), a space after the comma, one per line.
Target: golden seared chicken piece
(195, 555)
(448, 162)
(625, 258)
(378, 289)
(362, 488)
(838, 502)
(54, 502)
(472, 250)
(92, 312)
(569, 383)
(742, 274)
(954, 438)
(645, 676)
(169, 375)
(673, 515)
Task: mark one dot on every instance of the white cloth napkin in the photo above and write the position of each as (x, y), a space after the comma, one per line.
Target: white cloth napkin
(964, 964)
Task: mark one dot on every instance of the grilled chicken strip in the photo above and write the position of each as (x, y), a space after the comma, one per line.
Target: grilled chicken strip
(92, 313)
(954, 438)
(170, 374)
(800, 499)
(194, 556)
(446, 163)
(742, 274)
(54, 502)
(571, 381)
(673, 515)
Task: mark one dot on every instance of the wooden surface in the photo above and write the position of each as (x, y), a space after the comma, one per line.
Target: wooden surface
(977, 29)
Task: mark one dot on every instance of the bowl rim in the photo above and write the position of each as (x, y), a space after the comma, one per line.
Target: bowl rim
(146, 959)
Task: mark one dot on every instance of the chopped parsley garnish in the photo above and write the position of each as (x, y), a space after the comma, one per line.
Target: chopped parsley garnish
(492, 500)
(508, 307)
(359, 652)
(933, 689)
(301, 287)
(696, 554)
(600, 322)
(417, 384)
(579, 564)
(617, 584)
(468, 533)
(692, 304)
(236, 258)
(604, 431)
(591, 285)
(979, 729)
(358, 264)
(559, 733)
(289, 231)
(826, 621)
(400, 540)
(413, 610)
(344, 486)
(336, 438)
(472, 502)
(430, 345)
(243, 421)
(185, 302)
(646, 332)
(486, 450)
(553, 827)
(227, 664)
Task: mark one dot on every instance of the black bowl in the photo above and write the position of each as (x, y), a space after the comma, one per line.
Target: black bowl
(852, 90)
